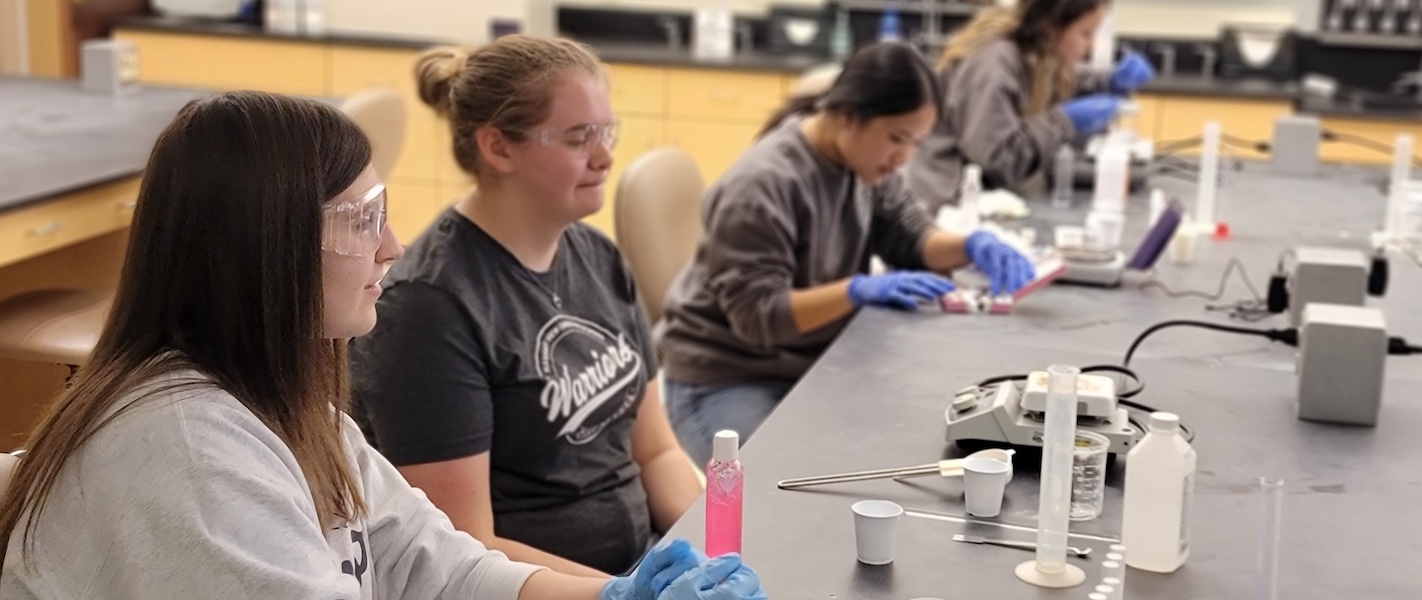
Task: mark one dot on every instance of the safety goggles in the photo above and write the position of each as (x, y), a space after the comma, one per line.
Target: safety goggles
(581, 139)
(355, 227)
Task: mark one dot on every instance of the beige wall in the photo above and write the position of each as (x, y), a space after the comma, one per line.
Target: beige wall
(1204, 17)
(14, 48)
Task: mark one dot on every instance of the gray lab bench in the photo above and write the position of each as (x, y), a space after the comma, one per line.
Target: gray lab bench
(56, 138)
(1351, 520)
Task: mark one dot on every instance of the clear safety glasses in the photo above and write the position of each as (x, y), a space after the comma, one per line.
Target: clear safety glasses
(355, 227)
(581, 139)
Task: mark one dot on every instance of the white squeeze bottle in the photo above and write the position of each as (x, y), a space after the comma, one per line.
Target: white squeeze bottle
(1160, 479)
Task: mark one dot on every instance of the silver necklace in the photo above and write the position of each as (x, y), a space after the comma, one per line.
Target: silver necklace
(552, 293)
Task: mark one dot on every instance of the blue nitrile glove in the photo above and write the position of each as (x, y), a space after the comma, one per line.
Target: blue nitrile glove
(899, 289)
(1131, 73)
(1092, 113)
(721, 578)
(660, 567)
(1006, 268)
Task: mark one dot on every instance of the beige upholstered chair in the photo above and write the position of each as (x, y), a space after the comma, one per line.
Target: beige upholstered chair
(657, 218)
(380, 113)
(54, 325)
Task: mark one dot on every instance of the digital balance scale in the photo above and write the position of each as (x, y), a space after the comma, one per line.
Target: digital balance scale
(1013, 413)
(1089, 265)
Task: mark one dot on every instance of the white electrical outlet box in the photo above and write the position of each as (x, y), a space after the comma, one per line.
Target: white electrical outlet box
(1341, 359)
(1326, 276)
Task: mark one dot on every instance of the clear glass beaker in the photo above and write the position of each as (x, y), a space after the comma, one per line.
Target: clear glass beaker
(1088, 475)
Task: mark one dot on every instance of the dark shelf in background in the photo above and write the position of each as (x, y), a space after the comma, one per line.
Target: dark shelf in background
(1368, 40)
(947, 9)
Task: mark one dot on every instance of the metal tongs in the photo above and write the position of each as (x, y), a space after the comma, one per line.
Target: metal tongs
(952, 467)
(947, 468)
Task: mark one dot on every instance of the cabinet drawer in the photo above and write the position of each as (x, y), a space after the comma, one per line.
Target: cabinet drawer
(355, 70)
(1252, 120)
(698, 93)
(413, 206)
(715, 146)
(1383, 133)
(637, 90)
(33, 230)
(224, 63)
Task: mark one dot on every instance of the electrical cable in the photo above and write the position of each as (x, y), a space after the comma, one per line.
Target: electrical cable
(1244, 310)
(1362, 142)
(1288, 336)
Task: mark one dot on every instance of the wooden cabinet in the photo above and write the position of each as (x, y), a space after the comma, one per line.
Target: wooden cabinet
(637, 90)
(357, 69)
(1369, 140)
(30, 231)
(712, 113)
(1146, 122)
(714, 144)
(229, 63)
(1183, 117)
(723, 95)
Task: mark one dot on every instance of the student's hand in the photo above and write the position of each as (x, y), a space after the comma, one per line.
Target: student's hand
(721, 578)
(1131, 73)
(897, 289)
(1006, 268)
(1092, 113)
(662, 565)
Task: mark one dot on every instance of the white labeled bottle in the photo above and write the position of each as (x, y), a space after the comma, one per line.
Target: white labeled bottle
(1160, 480)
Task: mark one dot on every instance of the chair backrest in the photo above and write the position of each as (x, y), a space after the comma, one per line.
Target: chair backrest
(657, 219)
(380, 113)
(815, 80)
(7, 469)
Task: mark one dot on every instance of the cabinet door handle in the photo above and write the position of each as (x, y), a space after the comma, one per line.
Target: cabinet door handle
(724, 96)
(47, 229)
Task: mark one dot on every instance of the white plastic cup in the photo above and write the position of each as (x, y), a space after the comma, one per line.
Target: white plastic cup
(1069, 236)
(997, 454)
(876, 524)
(1104, 228)
(984, 482)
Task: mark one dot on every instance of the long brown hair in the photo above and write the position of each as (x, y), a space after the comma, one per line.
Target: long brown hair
(1035, 26)
(223, 276)
(504, 84)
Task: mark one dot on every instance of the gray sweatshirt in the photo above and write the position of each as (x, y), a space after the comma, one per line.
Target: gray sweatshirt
(189, 495)
(781, 218)
(982, 124)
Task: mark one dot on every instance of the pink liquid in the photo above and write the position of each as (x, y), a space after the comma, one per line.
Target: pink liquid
(724, 485)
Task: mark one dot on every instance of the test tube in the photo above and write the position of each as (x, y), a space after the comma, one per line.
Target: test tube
(1105, 590)
(1271, 492)
(1096, 596)
(1208, 185)
(1050, 568)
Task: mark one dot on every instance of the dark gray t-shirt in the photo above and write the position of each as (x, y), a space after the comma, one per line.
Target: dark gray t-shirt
(781, 218)
(471, 355)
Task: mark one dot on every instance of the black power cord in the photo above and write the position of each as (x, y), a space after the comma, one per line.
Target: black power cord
(1362, 142)
(1396, 346)
(1288, 336)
